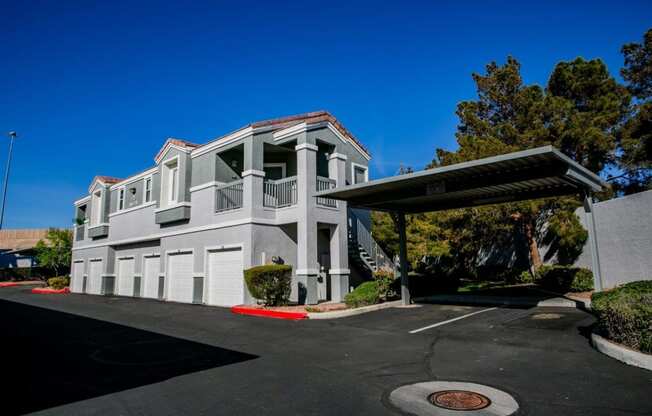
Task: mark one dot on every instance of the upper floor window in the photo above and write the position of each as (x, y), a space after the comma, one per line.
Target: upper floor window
(96, 208)
(360, 173)
(148, 189)
(170, 182)
(121, 199)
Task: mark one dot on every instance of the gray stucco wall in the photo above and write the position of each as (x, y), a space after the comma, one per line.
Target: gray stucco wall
(624, 235)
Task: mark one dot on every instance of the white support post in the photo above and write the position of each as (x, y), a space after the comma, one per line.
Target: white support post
(593, 242)
(405, 289)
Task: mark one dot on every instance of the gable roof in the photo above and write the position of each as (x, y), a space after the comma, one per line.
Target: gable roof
(105, 180)
(180, 144)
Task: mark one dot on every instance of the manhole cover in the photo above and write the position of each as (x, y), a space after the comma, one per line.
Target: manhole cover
(544, 316)
(459, 400)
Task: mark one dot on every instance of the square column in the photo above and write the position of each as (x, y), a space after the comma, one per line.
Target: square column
(307, 269)
(253, 176)
(339, 243)
(593, 242)
(405, 288)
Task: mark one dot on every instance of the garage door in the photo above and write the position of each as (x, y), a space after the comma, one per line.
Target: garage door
(225, 279)
(126, 276)
(94, 284)
(179, 272)
(150, 275)
(77, 284)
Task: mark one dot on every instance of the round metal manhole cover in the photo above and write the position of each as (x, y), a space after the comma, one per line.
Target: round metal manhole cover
(459, 400)
(546, 316)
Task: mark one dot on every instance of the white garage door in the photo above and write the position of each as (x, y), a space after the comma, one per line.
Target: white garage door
(225, 278)
(126, 276)
(179, 273)
(94, 282)
(150, 275)
(77, 284)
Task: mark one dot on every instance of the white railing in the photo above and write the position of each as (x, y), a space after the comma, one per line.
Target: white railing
(366, 241)
(79, 232)
(228, 196)
(324, 184)
(280, 193)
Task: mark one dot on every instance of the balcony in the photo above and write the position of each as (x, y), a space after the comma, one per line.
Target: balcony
(229, 196)
(280, 193)
(324, 184)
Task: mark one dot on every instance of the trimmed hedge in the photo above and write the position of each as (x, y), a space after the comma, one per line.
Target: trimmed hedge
(625, 315)
(270, 283)
(367, 293)
(564, 278)
(59, 282)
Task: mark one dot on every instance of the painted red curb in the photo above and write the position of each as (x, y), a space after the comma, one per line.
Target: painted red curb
(8, 284)
(46, 291)
(292, 316)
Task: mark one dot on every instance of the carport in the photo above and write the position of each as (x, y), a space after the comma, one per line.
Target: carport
(530, 174)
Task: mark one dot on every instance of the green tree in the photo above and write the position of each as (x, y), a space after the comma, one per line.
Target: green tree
(55, 251)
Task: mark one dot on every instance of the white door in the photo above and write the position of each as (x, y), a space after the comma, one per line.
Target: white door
(225, 278)
(179, 273)
(126, 277)
(150, 275)
(77, 284)
(94, 282)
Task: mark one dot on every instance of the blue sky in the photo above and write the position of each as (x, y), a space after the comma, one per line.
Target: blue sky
(96, 87)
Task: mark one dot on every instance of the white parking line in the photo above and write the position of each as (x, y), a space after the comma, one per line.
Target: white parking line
(451, 320)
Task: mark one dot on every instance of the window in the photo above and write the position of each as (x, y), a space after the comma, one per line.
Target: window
(96, 209)
(174, 180)
(274, 171)
(359, 174)
(121, 199)
(170, 182)
(148, 189)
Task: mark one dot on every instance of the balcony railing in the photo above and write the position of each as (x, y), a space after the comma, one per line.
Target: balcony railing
(79, 232)
(229, 196)
(324, 184)
(280, 193)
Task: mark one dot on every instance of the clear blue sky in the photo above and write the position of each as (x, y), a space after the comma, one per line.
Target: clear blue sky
(96, 87)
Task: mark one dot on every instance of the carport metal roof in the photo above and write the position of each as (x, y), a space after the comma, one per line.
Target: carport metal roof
(529, 174)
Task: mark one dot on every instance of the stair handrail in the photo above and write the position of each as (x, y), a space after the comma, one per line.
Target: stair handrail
(365, 239)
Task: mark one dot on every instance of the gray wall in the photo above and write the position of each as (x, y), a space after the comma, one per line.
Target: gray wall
(624, 230)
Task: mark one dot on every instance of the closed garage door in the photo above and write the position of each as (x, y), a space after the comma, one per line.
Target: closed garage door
(77, 284)
(150, 274)
(94, 284)
(225, 278)
(126, 276)
(179, 272)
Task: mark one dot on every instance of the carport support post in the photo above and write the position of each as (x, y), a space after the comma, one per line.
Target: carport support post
(593, 241)
(405, 290)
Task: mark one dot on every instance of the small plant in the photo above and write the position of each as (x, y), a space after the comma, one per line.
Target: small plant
(270, 283)
(385, 279)
(564, 278)
(79, 221)
(363, 295)
(525, 277)
(59, 282)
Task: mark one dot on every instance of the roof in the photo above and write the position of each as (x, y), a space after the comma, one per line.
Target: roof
(20, 239)
(529, 174)
(175, 142)
(107, 179)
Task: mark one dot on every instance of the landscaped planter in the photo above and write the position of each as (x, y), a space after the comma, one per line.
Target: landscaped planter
(50, 291)
(621, 352)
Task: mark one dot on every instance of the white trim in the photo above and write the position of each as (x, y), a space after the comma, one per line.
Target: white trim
(136, 208)
(339, 271)
(165, 199)
(83, 200)
(224, 247)
(281, 165)
(351, 141)
(206, 185)
(366, 172)
(103, 224)
(149, 178)
(176, 251)
(253, 172)
(307, 272)
(169, 145)
(136, 177)
(308, 146)
(78, 261)
(337, 156)
(222, 141)
(168, 254)
(290, 131)
(127, 257)
(177, 205)
(96, 259)
(97, 213)
(96, 181)
(149, 255)
(121, 190)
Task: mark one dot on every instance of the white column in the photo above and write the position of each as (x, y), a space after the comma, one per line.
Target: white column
(307, 269)
(593, 242)
(339, 242)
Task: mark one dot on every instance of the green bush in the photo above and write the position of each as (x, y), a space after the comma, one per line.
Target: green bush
(525, 277)
(564, 278)
(270, 283)
(59, 282)
(365, 294)
(625, 315)
(385, 279)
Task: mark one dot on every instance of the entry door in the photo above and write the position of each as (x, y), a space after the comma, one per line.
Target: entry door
(225, 278)
(126, 277)
(77, 284)
(180, 270)
(150, 274)
(322, 280)
(94, 277)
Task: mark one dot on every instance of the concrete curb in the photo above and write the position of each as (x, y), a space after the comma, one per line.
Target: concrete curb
(48, 291)
(352, 312)
(266, 313)
(558, 302)
(622, 353)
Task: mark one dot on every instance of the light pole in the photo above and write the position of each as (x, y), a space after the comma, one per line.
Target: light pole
(12, 136)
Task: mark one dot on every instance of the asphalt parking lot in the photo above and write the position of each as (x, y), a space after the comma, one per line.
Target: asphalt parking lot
(82, 354)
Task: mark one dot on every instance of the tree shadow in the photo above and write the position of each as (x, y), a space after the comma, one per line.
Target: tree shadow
(52, 358)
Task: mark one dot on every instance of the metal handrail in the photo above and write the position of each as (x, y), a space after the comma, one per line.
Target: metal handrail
(324, 184)
(365, 239)
(228, 196)
(280, 193)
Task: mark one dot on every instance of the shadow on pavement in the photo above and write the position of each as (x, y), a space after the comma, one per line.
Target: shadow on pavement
(51, 358)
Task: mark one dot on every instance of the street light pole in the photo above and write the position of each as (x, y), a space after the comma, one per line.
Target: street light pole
(12, 136)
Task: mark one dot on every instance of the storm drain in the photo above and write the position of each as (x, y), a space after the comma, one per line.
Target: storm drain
(459, 400)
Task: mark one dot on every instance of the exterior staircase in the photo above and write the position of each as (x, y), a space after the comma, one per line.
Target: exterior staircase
(364, 251)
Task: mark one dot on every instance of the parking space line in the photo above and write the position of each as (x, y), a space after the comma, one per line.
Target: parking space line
(414, 331)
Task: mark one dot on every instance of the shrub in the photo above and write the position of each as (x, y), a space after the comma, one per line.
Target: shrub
(385, 279)
(564, 278)
(525, 277)
(625, 315)
(270, 283)
(365, 294)
(59, 282)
